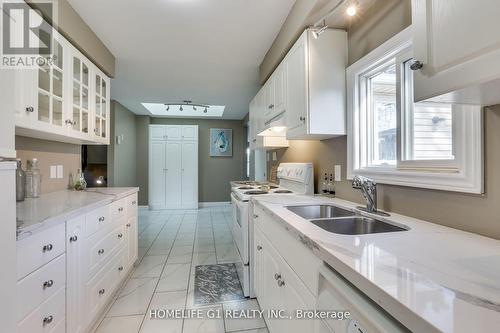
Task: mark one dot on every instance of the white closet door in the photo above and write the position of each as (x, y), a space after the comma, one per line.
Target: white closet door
(174, 132)
(157, 174)
(157, 132)
(173, 174)
(190, 132)
(190, 175)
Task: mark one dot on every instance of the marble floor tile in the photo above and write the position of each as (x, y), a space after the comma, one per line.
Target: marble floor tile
(175, 277)
(150, 266)
(205, 324)
(165, 301)
(127, 324)
(134, 297)
(239, 324)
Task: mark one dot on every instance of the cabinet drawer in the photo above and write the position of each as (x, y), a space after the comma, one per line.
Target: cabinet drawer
(300, 258)
(101, 248)
(37, 250)
(97, 219)
(119, 209)
(132, 205)
(47, 317)
(40, 285)
(101, 287)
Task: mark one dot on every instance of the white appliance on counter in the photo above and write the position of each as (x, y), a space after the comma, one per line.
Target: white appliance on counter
(293, 178)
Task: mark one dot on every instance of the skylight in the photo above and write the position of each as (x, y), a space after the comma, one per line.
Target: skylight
(184, 110)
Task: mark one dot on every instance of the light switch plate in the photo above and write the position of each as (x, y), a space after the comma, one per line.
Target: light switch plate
(338, 173)
(60, 173)
(53, 171)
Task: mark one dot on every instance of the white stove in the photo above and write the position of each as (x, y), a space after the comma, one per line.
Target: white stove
(293, 178)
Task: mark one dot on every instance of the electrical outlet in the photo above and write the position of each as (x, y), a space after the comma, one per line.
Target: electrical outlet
(60, 173)
(53, 171)
(338, 173)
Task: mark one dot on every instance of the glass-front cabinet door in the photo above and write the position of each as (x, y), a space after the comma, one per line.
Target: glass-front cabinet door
(101, 103)
(80, 105)
(50, 97)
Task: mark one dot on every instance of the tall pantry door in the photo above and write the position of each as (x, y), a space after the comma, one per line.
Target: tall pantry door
(190, 175)
(173, 165)
(157, 176)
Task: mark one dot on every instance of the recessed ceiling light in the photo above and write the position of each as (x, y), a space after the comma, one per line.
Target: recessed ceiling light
(351, 10)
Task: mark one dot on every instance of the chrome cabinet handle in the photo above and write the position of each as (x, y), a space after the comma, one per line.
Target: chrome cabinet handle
(120, 268)
(48, 284)
(30, 109)
(73, 239)
(120, 235)
(416, 65)
(47, 320)
(101, 251)
(277, 276)
(47, 248)
(101, 219)
(128, 225)
(102, 291)
(259, 248)
(281, 283)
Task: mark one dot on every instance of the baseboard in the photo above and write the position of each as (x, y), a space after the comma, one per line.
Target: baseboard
(213, 204)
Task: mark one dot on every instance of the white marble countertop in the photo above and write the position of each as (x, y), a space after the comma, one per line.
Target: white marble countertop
(431, 278)
(34, 215)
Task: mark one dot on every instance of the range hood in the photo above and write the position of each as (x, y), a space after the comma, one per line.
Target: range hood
(275, 127)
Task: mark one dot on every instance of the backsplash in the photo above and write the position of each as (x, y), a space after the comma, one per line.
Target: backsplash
(50, 153)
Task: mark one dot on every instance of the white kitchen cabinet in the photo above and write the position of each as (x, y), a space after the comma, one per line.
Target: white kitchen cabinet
(315, 86)
(279, 81)
(76, 271)
(173, 167)
(458, 49)
(66, 100)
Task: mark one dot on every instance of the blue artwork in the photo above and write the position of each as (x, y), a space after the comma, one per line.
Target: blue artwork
(221, 142)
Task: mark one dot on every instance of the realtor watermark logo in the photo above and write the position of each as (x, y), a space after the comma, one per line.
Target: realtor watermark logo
(26, 36)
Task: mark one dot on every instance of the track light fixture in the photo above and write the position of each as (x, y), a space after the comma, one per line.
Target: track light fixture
(185, 103)
(350, 11)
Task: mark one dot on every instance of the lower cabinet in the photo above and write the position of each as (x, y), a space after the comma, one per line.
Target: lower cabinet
(69, 273)
(278, 287)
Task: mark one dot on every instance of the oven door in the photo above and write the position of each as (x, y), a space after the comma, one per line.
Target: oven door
(239, 227)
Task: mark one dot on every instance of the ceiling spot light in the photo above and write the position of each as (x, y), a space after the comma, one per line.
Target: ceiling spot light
(351, 10)
(168, 107)
(181, 109)
(194, 108)
(205, 111)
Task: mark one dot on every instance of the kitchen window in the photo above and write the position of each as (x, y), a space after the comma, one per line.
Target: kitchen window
(431, 144)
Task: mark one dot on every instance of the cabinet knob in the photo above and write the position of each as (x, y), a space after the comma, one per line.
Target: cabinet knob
(47, 248)
(281, 283)
(255, 216)
(277, 276)
(259, 248)
(134, 202)
(30, 109)
(120, 209)
(416, 65)
(302, 118)
(47, 320)
(271, 106)
(120, 268)
(101, 219)
(48, 284)
(101, 251)
(73, 239)
(128, 225)
(120, 235)
(102, 291)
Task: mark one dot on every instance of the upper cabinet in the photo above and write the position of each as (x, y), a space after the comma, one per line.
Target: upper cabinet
(67, 100)
(457, 51)
(315, 86)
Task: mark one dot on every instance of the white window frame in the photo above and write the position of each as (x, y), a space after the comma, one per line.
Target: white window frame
(462, 174)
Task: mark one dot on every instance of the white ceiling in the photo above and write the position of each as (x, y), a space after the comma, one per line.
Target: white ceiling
(167, 51)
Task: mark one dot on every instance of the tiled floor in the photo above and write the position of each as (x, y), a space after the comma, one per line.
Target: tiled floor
(171, 244)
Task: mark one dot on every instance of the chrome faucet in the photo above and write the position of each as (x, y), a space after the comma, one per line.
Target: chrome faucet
(369, 190)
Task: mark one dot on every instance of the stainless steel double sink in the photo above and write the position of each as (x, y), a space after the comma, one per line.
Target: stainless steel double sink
(341, 221)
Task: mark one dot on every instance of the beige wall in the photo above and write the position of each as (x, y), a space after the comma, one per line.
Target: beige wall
(71, 26)
(214, 173)
(50, 153)
(474, 213)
